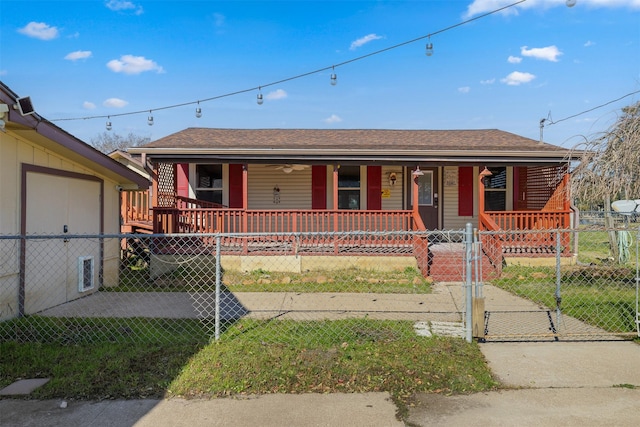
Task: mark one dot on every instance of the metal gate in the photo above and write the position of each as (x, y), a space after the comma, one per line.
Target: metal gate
(590, 292)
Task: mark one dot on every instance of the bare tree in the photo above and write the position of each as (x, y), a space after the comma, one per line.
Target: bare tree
(110, 141)
(610, 166)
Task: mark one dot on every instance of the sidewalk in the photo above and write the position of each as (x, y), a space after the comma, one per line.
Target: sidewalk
(557, 383)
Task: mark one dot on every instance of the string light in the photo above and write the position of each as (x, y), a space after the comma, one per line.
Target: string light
(334, 78)
(260, 100)
(198, 110)
(570, 3)
(429, 51)
(299, 76)
(108, 124)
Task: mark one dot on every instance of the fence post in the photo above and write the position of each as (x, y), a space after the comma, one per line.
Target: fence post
(218, 279)
(558, 279)
(468, 241)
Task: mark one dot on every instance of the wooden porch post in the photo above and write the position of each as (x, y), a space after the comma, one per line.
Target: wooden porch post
(245, 206)
(335, 186)
(485, 172)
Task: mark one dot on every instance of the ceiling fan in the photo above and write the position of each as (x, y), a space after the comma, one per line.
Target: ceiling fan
(287, 168)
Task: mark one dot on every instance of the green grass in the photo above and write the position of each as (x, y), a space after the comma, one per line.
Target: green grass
(348, 356)
(603, 296)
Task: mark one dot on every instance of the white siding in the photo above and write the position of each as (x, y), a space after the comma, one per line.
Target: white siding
(394, 202)
(295, 188)
(450, 218)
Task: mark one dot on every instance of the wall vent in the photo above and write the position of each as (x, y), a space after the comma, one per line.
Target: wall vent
(85, 273)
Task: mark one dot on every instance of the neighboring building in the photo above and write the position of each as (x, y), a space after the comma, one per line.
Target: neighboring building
(52, 183)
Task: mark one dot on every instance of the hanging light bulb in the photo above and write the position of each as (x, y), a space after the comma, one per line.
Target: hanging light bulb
(334, 79)
(150, 119)
(198, 111)
(570, 3)
(260, 100)
(429, 51)
(108, 124)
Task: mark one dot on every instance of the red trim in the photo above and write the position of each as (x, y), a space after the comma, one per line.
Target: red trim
(374, 188)
(465, 191)
(235, 186)
(318, 187)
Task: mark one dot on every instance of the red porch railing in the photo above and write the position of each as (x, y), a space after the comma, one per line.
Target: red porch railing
(273, 222)
(135, 210)
(526, 233)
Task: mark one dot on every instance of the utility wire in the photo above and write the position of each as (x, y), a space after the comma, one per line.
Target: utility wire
(550, 121)
(299, 76)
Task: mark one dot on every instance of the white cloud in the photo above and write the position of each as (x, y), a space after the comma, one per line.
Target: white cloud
(39, 30)
(589, 43)
(487, 82)
(276, 94)
(89, 105)
(464, 89)
(517, 78)
(78, 54)
(123, 5)
(514, 59)
(549, 53)
(130, 64)
(332, 119)
(364, 40)
(219, 19)
(115, 103)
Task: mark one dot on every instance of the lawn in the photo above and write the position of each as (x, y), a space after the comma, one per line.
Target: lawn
(353, 355)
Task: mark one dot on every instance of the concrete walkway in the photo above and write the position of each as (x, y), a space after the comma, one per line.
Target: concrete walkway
(544, 383)
(559, 384)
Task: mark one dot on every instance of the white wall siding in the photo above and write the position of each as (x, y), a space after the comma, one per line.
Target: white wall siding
(295, 188)
(394, 202)
(450, 218)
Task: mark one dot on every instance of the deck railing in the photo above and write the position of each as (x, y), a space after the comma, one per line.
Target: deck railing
(134, 206)
(278, 223)
(538, 237)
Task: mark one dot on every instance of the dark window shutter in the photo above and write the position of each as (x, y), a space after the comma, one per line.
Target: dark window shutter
(318, 187)
(235, 186)
(465, 191)
(374, 188)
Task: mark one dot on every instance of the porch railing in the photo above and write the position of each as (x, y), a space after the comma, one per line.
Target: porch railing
(134, 206)
(281, 222)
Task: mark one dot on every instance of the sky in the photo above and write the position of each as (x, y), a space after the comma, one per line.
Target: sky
(88, 62)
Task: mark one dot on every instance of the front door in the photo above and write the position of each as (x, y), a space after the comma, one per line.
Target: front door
(428, 198)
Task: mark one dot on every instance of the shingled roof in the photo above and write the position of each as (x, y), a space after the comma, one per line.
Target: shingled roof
(351, 144)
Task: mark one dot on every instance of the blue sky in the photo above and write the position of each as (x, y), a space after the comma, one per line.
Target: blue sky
(537, 60)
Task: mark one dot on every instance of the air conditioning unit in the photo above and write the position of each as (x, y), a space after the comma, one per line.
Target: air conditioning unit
(85, 273)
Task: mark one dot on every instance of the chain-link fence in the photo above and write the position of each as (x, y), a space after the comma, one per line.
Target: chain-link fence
(167, 288)
(201, 286)
(577, 284)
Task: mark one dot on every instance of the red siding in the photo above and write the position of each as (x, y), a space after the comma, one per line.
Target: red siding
(374, 188)
(182, 179)
(235, 186)
(318, 187)
(465, 191)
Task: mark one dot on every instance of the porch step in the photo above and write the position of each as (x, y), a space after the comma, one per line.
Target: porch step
(447, 263)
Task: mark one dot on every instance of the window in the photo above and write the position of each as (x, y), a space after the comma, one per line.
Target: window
(209, 183)
(349, 187)
(425, 189)
(495, 190)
